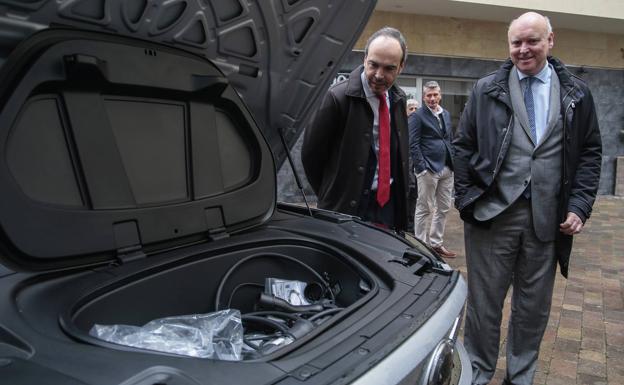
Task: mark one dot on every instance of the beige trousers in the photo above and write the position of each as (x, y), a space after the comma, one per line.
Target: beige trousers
(434, 201)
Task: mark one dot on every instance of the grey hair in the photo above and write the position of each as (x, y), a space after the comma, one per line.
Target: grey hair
(412, 101)
(431, 85)
(548, 25)
(392, 33)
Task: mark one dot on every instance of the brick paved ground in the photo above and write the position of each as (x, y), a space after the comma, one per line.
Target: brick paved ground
(584, 340)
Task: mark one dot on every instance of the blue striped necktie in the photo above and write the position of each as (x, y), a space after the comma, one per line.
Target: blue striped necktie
(530, 108)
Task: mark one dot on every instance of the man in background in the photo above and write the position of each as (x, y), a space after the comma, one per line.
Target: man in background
(527, 167)
(355, 152)
(430, 149)
(412, 106)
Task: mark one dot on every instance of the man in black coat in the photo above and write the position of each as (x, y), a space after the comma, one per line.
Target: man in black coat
(527, 166)
(355, 152)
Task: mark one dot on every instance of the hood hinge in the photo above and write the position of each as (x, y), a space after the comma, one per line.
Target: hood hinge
(130, 253)
(217, 233)
(128, 241)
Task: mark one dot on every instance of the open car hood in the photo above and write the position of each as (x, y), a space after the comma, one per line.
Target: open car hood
(280, 55)
(120, 139)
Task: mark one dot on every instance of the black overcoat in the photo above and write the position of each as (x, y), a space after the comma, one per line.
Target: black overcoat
(481, 145)
(337, 149)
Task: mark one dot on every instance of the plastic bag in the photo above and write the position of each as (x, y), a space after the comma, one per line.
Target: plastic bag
(217, 335)
(258, 345)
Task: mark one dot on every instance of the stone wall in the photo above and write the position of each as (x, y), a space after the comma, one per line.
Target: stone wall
(449, 36)
(619, 176)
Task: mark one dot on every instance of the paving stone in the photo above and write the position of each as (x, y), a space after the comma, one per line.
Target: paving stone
(615, 339)
(589, 379)
(614, 370)
(567, 345)
(566, 356)
(614, 330)
(593, 344)
(593, 315)
(584, 338)
(554, 380)
(615, 380)
(593, 334)
(591, 367)
(562, 368)
(570, 334)
(572, 313)
(614, 316)
(615, 352)
(570, 323)
(592, 307)
(574, 287)
(615, 364)
(613, 302)
(576, 308)
(592, 355)
(573, 298)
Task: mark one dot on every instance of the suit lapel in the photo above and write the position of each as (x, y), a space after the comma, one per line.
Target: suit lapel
(445, 123)
(433, 121)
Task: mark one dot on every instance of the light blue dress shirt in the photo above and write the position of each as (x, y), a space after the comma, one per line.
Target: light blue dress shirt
(541, 98)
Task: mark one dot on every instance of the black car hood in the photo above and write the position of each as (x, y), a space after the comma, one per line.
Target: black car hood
(280, 55)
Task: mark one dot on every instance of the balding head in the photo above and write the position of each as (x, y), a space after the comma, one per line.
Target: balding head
(531, 17)
(530, 40)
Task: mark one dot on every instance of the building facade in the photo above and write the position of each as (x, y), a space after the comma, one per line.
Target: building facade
(455, 42)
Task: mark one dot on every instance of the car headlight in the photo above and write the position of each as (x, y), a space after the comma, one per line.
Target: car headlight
(440, 367)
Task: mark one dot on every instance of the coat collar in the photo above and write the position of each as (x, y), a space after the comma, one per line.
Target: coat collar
(426, 114)
(499, 87)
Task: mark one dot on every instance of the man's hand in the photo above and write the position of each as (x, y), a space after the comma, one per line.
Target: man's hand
(572, 225)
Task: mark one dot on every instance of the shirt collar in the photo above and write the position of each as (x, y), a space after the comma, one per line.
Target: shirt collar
(543, 75)
(438, 111)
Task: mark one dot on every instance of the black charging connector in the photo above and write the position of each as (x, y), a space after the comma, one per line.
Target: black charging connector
(273, 301)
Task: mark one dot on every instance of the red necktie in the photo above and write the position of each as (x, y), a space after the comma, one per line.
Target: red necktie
(383, 181)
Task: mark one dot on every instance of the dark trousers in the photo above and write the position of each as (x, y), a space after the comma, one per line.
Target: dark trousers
(384, 216)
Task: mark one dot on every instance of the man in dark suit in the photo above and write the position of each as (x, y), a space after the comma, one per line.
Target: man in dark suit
(355, 152)
(430, 148)
(527, 166)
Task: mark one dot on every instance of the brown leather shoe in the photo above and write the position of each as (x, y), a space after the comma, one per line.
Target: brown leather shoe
(443, 251)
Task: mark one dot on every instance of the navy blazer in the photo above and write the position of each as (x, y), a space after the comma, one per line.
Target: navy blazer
(430, 146)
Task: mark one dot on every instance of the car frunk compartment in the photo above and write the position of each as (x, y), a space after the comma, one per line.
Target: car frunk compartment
(148, 152)
(192, 286)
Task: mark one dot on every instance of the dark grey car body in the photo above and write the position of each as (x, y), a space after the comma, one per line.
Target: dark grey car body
(139, 143)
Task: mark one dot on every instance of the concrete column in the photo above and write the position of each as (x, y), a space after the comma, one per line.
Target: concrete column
(619, 176)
